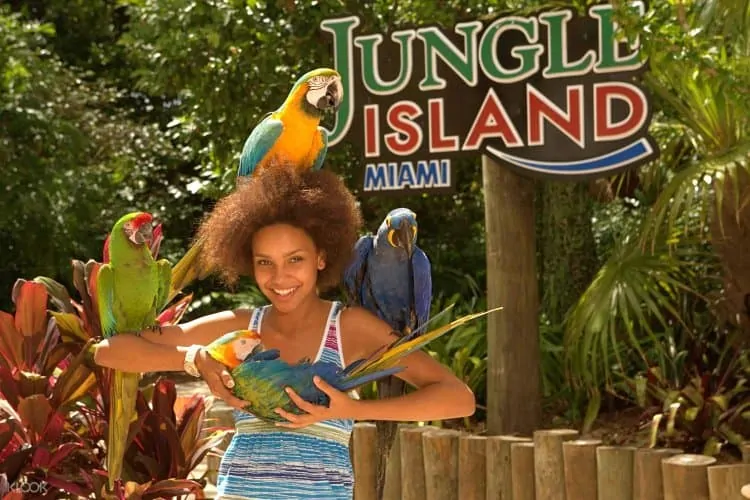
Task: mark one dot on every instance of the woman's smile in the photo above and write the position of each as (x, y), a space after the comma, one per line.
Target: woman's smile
(284, 293)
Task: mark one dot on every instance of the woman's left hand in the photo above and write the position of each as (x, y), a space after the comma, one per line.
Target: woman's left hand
(340, 406)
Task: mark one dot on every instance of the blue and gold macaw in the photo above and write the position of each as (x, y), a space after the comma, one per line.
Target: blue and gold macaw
(391, 277)
(260, 376)
(293, 133)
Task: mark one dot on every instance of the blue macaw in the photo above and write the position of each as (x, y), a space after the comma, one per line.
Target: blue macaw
(391, 277)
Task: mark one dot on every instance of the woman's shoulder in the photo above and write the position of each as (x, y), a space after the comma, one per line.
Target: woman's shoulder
(356, 315)
(362, 326)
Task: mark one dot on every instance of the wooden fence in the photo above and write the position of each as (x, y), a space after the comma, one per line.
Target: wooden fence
(429, 463)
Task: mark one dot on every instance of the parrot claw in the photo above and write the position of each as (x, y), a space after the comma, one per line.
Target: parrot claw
(155, 328)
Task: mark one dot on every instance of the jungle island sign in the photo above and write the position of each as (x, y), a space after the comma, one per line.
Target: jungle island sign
(554, 94)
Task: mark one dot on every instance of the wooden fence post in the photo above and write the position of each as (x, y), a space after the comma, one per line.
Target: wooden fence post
(549, 470)
(579, 461)
(499, 485)
(725, 481)
(365, 458)
(615, 472)
(522, 471)
(412, 462)
(440, 449)
(472, 467)
(647, 480)
(392, 486)
(686, 476)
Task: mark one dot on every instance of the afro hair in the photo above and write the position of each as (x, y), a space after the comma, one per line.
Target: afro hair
(316, 201)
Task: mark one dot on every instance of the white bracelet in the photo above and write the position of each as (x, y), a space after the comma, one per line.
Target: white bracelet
(189, 363)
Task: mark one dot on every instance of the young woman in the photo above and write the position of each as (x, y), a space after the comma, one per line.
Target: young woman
(292, 232)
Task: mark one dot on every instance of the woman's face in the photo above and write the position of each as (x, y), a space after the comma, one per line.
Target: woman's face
(286, 264)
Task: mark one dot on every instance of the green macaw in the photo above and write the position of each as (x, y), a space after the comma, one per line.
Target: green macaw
(132, 288)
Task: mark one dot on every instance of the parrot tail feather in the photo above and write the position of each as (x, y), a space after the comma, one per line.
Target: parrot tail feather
(352, 382)
(187, 270)
(124, 392)
(418, 331)
(383, 349)
(405, 346)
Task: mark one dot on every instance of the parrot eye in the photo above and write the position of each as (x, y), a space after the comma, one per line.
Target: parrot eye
(243, 342)
(388, 222)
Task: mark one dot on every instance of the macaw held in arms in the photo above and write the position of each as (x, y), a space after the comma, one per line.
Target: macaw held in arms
(292, 133)
(260, 376)
(131, 289)
(391, 277)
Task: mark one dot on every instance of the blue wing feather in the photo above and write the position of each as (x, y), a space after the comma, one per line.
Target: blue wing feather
(355, 272)
(258, 144)
(422, 285)
(318, 163)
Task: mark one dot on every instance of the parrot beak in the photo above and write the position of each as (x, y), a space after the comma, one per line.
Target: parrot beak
(405, 237)
(333, 97)
(144, 234)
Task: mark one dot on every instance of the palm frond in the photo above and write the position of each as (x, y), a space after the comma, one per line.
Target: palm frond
(701, 187)
(633, 297)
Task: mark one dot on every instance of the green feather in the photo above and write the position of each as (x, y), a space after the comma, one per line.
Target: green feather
(105, 299)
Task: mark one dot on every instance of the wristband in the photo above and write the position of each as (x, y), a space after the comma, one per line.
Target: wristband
(189, 363)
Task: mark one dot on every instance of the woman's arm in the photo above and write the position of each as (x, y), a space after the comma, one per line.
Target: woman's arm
(439, 395)
(165, 351)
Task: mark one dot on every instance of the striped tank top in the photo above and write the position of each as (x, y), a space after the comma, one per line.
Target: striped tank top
(266, 462)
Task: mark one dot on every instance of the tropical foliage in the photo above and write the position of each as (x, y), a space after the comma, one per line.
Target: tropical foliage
(644, 302)
(54, 409)
(666, 315)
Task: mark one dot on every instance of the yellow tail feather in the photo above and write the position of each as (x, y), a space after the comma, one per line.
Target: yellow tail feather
(188, 269)
(122, 412)
(397, 351)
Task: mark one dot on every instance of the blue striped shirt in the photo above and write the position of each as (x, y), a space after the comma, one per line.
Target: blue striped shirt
(266, 462)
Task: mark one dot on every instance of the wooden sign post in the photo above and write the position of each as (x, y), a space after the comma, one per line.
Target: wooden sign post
(551, 95)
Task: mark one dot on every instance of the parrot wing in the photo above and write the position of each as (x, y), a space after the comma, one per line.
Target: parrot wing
(262, 382)
(106, 298)
(354, 274)
(318, 163)
(258, 144)
(267, 355)
(422, 285)
(164, 270)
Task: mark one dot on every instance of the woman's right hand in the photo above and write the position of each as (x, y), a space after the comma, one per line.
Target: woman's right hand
(218, 379)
